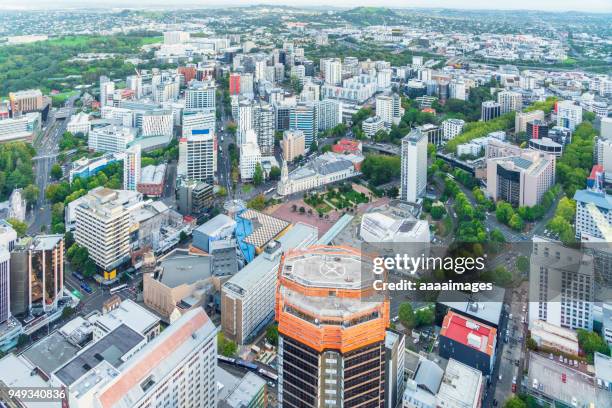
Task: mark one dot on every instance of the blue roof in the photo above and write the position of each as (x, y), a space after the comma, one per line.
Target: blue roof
(600, 199)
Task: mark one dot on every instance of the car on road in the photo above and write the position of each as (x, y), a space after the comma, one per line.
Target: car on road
(86, 287)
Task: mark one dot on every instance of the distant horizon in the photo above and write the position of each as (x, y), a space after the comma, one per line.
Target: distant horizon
(560, 6)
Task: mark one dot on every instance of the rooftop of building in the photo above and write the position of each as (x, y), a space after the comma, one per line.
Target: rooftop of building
(469, 332)
(428, 375)
(46, 242)
(51, 352)
(157, 359)
(216, 225)
(414, 136)
(180, 267)
(545, 141)
(152, 174)
(385, 226)
(461, 386)
(484, 306)
(263, 227)
(603, 366)
(111, 348)
(599, 198)
(244, 392)
(129, 313)
(79, 118)
(16, 371)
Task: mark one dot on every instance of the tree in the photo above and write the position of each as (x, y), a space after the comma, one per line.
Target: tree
(222, 191)
(258, 175)
(504, 212)
(591, 342)
(566, 209)
(67, 312)
(257, 203)
(515, 402)
(431, 150)
(516, 223)
(522, 264)
(226, 347)
(314, 147)
(275, 173)
(380, 169)
(21, 228)
(272, 334)
(56, 171)
(437, 212)
(406, 315)
(424, 317)
(30, 194)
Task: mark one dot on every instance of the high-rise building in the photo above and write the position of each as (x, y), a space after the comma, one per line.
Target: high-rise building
(452, 128)
(103, 227)
(303, 117)
(5, 283)
(176, 37)
(37, 274)
(521, 179)
(134, 83)
(510, 101)
(331, 328)
(383, 79)
(414, 166)
(561, 285)
(107, 89)
(606, 128)
(490, 110)
(293, 144)
(245, 120)
(395, 355)
(198, 120)
(197, 156)
(372, 125)
(569, 115)
(157, 123)
(246, 85)
(131, 168)
(110, 139)
(8, 235)
(250, 157)
(329, 113)
(263, 123)
(537, 129)
(260, 68)
(593, 214)
(457, 90)
(26, 101)
(384, 109)
(521, 119)
(200, 95)
(332, 71)
(234, 84)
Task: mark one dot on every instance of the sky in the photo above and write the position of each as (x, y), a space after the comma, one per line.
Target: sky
(548, 5)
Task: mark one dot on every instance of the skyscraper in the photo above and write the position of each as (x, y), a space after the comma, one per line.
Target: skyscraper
(245, 120)
(5, 283)
(490, 110)
(131, 168)
(199, 120)
(329, 113)
(197, 156)
(332, 71)
(331, 330)
(304, 117)
(234, 84)
(263, 119)
(414, 166)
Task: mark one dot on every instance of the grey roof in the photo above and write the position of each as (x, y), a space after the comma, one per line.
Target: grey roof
(601, 200)
(521, 162)
(250, 385)
(603, 367)
(484, 306)
(215, 224)
(429, 376)
(180, 268)
(110, 348)
(51, 352)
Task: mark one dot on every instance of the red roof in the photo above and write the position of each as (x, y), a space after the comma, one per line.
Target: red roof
(597, 169)
(347, 146)
(469, 332)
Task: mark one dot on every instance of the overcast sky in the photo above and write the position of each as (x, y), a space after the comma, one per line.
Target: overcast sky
(549, 5)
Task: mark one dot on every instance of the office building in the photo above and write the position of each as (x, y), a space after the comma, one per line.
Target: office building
(329, 113)
(200, 95)
(219, 228)
(372, 125)
(131, 168)
(546, 145)
(549, 336)
(561, 284)
(25, 127)
(177, 367)
(197, 156)
(293, 144)
(134, 83)
(385, 226)
(537, 129)
(388, 108)
(395, 354)
(331, 342)
(157, 123)
(569, 115)
(250, 157)
(606, 128)
(193, 197)
(457, 90)
(36, 274)
(383, 79)
(175, 37)
(116, 312)
(521, 119)
(452, 128)
(263, 124)
(123, 116)
(5, 282)
(248, 297)
(107, 89)
(110, 139)
(30, 100)
(234, 84)
(245, 120)
(490, 110)
(593, 214)
(246, 85)
(332, 70)
(521, 179)
(304, 117)
(434, 133)
(152, 180)
(249, 392)
(198, 120)
(510, 101)
(8, 235)
(79, 123)
(468, 341)
(414, 166)
(103, 227)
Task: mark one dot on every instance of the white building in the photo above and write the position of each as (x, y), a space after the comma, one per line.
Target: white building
(111, 138)
(198, 120)
(593, 215)
(332, 69)
(123, 116)
(250, 157)
(413, 166)
(22, 128)
(246, 85)
(131, 168)
(386, 227)
(245, 120)
(197, 156)
(510, 101)
(457, 90)
(383, 79)
(452, 128)
(107, 89)
(263, 124)
(103, 227)
(201, 95)
(329, 113)
(176, 37)
(389, 109)
(372, 125)
(79, 123)
(569, 115)
(157, 123)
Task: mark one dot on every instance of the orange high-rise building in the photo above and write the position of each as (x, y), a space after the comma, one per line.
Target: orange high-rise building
(234, 84)
(331, 327)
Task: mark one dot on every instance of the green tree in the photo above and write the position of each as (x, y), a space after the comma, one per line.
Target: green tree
(380, 169)
(272, 334)
(591, 342)
(515, 402)
(222, 192)
(406, 315)
(20, 227)
(566, 209)
(257, 203)
(275, 173)
(437, 212)
(67, 312)
(30, 194)
(258, 176)
(504, 212)
(225, 346)
(56, 171)
(424, 317)
(516, 223)
(497, 236)
(522, 264)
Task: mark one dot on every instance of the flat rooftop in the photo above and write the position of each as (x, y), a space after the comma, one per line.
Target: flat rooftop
(460, 387)
(110, 348)
(131, 314)
(46, 242)
(264, 227)
(18, 372)
(51, 352)
(469, 332)
(181, 268)
(485, 306)
(244, 392)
